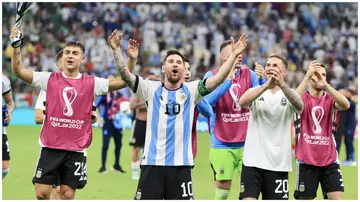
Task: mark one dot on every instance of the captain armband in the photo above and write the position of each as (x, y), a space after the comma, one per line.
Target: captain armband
(203, 91)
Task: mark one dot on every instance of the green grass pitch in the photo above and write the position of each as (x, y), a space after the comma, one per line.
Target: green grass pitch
(24, 150)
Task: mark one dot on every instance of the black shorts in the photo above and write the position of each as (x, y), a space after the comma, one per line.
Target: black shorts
(138, 134)
(67, 166)
(80, 186)
(165, 182)
(273, 185)
(5, 148)
(308, 178)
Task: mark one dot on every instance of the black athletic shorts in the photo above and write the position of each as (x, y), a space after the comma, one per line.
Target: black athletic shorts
(80, 186)
(138, 134)
(272, 185)
(308, 178)
(60, 166)
(5, 148)
(165, 182)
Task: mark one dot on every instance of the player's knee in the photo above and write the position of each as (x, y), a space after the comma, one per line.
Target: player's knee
(5, 165)
(223, 184)
(42, 195)
(249, 198)
(136, 150)
(67, 193)
(335, 196)
(4, 173)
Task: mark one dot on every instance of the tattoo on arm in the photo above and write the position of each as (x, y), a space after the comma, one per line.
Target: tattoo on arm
(293, 97)
(123, 69)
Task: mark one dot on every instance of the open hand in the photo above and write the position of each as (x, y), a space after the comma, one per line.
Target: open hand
(321, 83)
(271, 83)
(278, 77)
(312, 68)
(240, 45)
(133, 49)
(114, 40)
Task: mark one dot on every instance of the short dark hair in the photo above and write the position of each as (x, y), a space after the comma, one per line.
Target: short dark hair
(76, 44)
(59, 55)
(186, 59)
(174, 52)
(278, 56)
(224, 44)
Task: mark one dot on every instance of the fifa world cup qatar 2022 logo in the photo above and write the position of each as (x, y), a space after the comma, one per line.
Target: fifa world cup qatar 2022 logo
(317, 113)
(69, 95)
(235, 94)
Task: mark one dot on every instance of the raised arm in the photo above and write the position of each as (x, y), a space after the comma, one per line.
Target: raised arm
(253, 93)
(205, 108)
(216, 94)
(293, 97)
(133, 52)
(310, 72)
(237, 49)
(17, 65)
(341, 103)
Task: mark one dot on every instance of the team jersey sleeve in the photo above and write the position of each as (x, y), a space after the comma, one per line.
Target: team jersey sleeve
(205, 108)
(6, 85)
(254, 103)
(40, 100)
(215, 95)
(144, 87)
(254, 79)
(101, 86)
(40, 80)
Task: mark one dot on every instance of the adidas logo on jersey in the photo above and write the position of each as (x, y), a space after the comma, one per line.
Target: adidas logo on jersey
(261, 99)
(285, 196)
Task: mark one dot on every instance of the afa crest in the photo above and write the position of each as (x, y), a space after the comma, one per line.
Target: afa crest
(38, 173)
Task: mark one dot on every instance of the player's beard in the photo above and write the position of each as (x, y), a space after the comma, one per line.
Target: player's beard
(174, 79)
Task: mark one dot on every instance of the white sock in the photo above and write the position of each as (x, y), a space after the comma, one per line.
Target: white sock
(135, 166)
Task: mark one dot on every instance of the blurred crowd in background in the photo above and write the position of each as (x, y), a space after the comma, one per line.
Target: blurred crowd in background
(302, 32)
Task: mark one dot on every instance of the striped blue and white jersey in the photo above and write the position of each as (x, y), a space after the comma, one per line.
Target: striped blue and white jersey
(6, 88)
(170, 116)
